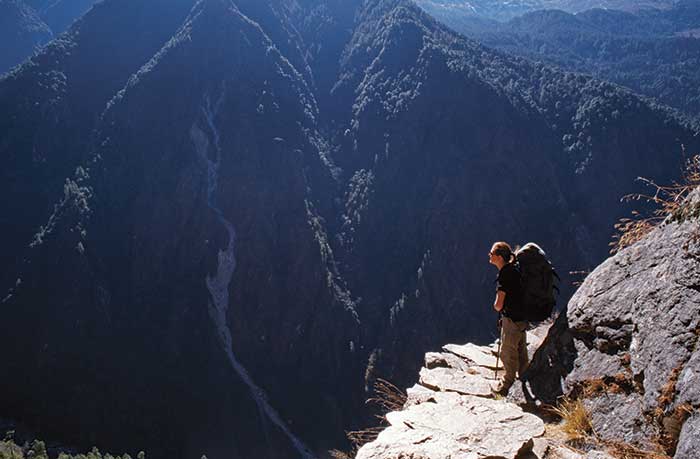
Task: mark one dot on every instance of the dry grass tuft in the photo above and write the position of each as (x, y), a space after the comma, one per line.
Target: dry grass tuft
(669, 421)
(387, 396)
(576, 420)
(592, 387)
(672, 424)
(621, 383)
(669, 200)
(668, 392)
(337, 454)
(577, 426)
(361, 437)
(621, 450)
(632, 230)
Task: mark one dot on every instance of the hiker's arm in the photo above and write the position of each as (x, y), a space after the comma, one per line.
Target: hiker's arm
(500, 299)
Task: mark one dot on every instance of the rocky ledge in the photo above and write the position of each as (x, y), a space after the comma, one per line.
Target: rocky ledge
(625, 348)
(450, 412)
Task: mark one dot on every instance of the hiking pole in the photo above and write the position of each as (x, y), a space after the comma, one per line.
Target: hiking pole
(498, 354)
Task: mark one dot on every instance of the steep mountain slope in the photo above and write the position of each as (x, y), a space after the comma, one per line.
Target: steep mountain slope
(26, 25)
(218, 198)
(60, 14)
(429, 191)
(21, 32)
(268, 213)
(652, 53)
(51, 105)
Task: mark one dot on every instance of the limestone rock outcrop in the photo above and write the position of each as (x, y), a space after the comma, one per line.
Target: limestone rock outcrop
(626, 346)
(450, 413)
(628, 342)
(450, 425)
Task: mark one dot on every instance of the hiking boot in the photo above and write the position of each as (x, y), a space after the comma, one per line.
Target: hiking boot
(502, 389)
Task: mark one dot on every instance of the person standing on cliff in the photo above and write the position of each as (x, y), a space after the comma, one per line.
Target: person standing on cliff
(508, 304)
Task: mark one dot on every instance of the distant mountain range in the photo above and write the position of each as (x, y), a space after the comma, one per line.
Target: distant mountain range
(653, 52)
(223, 220)
(503, 10)
(26, 25)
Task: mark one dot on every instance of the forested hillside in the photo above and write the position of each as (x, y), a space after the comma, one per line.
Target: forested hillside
(653, 52)
(456, 11)
(27, 25)
(228, 218)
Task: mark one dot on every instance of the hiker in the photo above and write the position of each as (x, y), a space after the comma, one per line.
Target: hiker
(512, 321)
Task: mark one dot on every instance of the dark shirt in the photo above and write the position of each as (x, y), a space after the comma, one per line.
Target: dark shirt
(510, 282)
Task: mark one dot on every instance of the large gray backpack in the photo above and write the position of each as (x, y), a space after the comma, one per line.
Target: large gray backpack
(539, 283)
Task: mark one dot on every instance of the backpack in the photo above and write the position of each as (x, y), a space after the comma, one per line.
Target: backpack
(538, 283)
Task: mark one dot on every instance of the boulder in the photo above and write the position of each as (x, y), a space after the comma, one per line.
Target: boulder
(418, 394)
(445, 360)
(688, 385)
(635, 319)
(563, 452)
(619, 417)
(689, 442)
(456, 426)
(451, 380)
(478, 355)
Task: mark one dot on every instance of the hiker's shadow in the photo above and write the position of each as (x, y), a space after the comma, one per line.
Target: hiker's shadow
(550, 365)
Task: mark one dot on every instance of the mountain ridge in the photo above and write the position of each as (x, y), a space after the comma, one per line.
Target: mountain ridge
(651, 52)
(22, 29)
(28, 25)
(224, 206)
(501, 10)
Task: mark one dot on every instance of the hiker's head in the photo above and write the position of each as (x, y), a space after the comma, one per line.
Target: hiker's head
(501, 254)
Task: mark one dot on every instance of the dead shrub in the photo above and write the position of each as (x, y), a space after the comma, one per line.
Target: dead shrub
(672, 424)
(361, 437)
(620, 383)
(669, 201)
(621, 450)
(337, 454)
(387, 397)
(668, 391)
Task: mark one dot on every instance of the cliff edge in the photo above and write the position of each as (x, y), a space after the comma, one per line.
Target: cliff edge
(625, 350)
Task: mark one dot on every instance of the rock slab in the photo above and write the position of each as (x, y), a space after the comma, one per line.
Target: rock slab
(636, 318)
(458, 427)
(451, 380)
(477, 355)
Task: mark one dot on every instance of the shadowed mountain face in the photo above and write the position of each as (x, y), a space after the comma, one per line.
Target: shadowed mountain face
(252, 209)
(21, 32)
(60, 14)
(26, 25)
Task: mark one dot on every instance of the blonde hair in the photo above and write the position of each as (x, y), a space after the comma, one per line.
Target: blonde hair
(503, 250)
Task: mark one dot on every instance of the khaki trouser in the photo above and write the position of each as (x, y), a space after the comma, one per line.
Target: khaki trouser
(513, 349)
